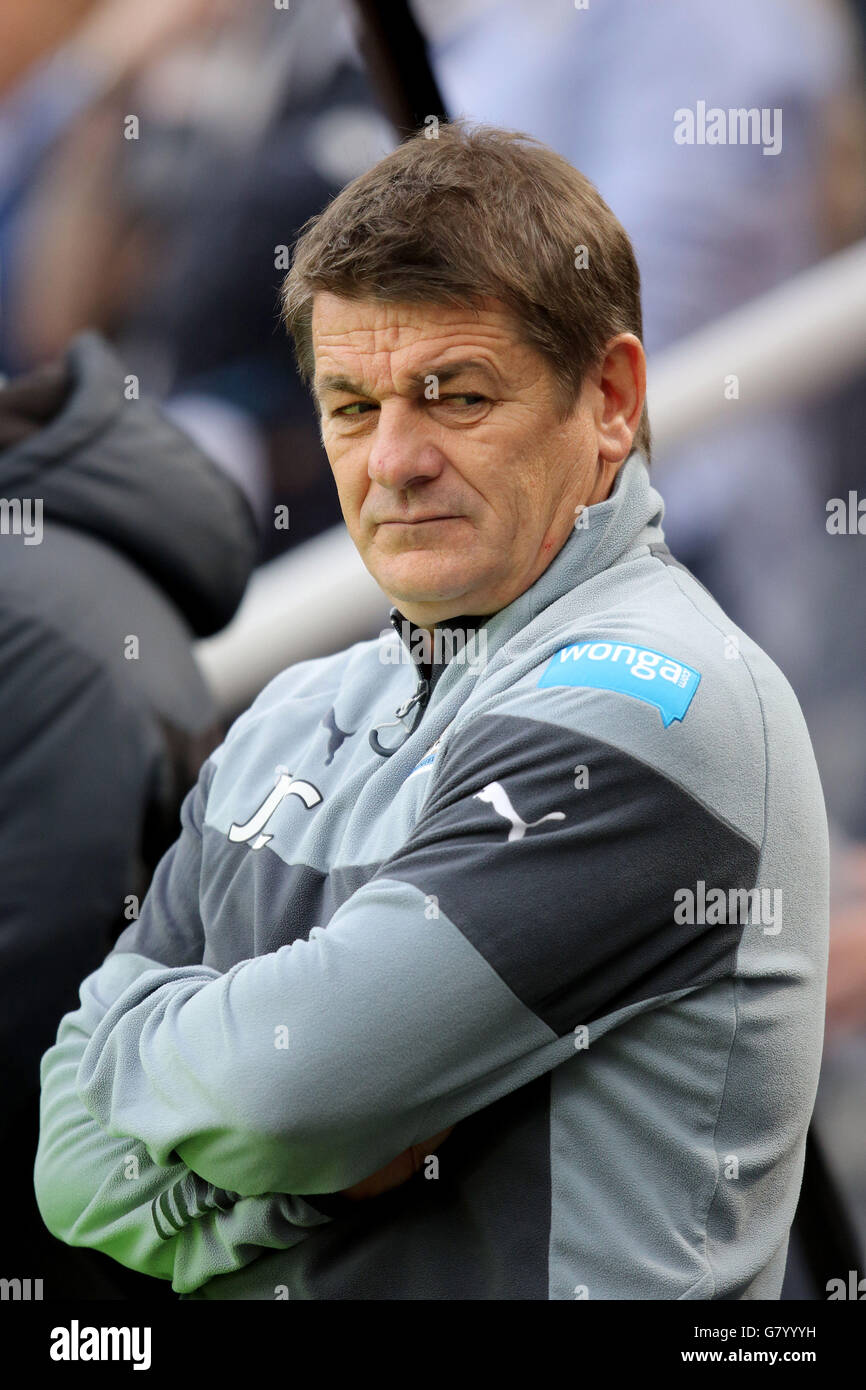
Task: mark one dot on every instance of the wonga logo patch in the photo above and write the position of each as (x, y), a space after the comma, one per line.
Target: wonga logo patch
(639, 671)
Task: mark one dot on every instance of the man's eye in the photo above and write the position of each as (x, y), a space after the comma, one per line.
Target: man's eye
(469, 398)
(354, 409)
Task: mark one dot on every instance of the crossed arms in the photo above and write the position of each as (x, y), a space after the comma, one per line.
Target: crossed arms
(186, 1114)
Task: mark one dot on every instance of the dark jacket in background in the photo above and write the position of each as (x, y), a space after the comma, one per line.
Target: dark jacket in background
(143, 540)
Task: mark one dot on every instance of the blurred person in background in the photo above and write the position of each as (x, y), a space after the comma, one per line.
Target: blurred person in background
(175, 194)
(120, 542)
(59, 65)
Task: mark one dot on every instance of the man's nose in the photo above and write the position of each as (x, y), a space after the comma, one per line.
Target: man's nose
(402, 451)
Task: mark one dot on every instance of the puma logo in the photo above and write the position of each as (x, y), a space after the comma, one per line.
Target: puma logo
(285, 785)
(497, 796)
(338, 735)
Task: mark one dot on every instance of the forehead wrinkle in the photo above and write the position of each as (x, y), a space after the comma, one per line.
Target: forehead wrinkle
(371, 348)
(403, 330)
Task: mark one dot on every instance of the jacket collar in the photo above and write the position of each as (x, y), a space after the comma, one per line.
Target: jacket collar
(432, 653)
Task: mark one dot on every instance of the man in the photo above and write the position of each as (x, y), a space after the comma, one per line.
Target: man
(526, 949)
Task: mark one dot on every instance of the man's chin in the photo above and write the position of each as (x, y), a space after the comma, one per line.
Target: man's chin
(411, 580)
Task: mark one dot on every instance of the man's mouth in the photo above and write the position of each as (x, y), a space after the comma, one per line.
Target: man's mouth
(417, 520)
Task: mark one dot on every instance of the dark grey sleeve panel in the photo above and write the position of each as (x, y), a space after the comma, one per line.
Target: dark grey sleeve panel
(169, 929)
(567, 890)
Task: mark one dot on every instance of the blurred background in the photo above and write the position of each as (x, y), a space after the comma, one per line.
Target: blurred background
(157, 162)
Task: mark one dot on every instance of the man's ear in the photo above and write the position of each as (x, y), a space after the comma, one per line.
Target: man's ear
(621, 380)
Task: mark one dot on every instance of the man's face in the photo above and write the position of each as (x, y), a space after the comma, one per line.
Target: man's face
(457, 477)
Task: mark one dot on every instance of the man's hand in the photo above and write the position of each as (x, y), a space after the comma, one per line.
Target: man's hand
(398, 1171)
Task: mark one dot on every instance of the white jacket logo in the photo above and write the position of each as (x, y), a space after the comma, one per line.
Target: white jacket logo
(496, 794)
(286, 785)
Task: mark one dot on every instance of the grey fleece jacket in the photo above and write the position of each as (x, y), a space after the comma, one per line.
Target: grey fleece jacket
(578, 912)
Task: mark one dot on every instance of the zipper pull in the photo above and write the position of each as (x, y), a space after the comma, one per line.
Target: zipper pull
(420, 694)
(419, 698)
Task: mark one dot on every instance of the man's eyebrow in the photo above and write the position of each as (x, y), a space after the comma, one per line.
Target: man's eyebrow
(448, 370)
(444, 373)
(330, 382)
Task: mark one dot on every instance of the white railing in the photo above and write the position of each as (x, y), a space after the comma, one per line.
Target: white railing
(790, 344)
(314, 600)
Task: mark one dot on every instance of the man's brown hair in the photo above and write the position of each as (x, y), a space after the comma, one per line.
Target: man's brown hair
(477, 212)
